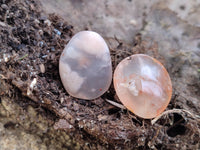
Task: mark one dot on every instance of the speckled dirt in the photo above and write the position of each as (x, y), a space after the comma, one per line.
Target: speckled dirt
(44, 116)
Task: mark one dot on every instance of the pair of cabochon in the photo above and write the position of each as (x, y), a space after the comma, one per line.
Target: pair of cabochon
(141, 82)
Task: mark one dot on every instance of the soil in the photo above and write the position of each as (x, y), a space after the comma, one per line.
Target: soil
(34, 102)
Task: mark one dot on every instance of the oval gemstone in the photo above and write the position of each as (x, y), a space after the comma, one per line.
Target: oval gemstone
(143, 85)
(85, 66)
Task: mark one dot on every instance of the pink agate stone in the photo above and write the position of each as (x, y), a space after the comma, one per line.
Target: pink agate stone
(143, 85)
(85, 66)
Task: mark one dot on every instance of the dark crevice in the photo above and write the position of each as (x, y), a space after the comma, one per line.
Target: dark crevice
(177, 128)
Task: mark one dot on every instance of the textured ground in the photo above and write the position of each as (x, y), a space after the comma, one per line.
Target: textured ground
(46, 117)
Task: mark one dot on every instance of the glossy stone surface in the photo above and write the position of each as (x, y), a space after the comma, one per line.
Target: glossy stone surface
(143, 85)
(85, 66)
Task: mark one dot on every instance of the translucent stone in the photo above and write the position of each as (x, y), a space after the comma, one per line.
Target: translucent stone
(85, 66)
(143, 85)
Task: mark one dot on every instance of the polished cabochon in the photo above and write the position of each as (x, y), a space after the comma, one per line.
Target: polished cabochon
(143, 85)
(85, 66)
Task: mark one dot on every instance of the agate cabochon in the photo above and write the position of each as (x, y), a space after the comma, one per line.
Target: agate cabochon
(85, 66)
(143, 85)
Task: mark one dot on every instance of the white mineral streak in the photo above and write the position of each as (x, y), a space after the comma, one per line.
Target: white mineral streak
(131, 87)
(72, 77)
(91, 43)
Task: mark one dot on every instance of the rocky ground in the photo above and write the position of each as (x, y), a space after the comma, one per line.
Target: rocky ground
(44, 116)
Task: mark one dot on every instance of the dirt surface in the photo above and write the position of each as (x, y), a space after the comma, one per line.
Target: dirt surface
(37, 113)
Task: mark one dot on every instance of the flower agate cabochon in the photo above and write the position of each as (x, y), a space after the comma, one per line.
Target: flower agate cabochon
(143, 85)
(85, 66)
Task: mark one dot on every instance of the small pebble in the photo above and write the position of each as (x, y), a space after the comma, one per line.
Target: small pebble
(4, 6)
(42, 68)
(57, 32)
